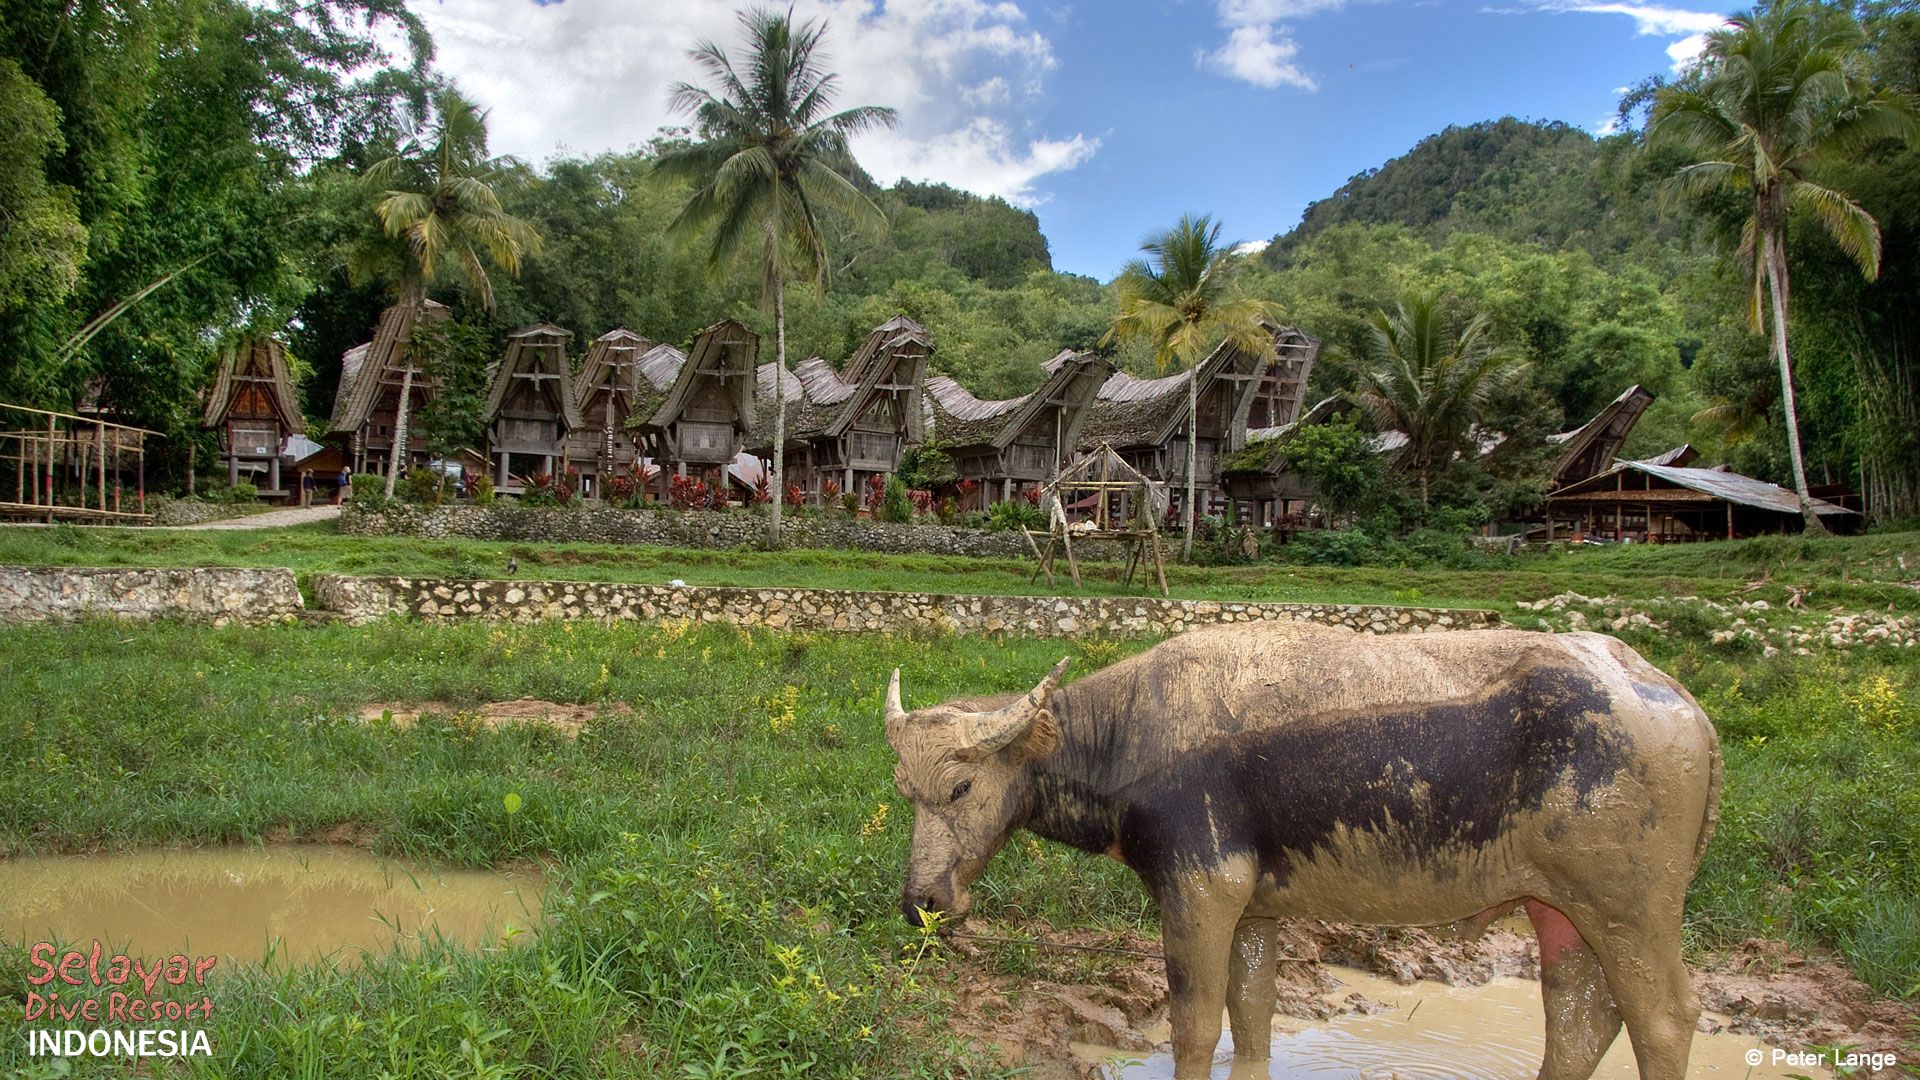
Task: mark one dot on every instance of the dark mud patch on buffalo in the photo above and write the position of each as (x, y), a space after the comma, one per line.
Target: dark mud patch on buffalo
(1049, 1008)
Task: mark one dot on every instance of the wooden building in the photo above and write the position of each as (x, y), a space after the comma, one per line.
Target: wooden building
(530, 409)
(1262, 484)
(852, 424)
(1590, 449)
(1006, 446)
(696, 408)
(606, 391)
(372, 376)
(1144, 420)
(1643, 502)
(253, 408)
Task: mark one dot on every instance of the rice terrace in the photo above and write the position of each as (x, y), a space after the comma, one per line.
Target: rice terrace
(571, 539)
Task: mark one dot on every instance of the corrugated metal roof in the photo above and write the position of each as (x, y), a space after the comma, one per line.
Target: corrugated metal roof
(1731, 486)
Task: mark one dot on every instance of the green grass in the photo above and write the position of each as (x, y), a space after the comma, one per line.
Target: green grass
(725, 878)
(1860, 573)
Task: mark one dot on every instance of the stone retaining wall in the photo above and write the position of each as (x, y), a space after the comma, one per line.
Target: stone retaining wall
(691, 529)
(222, 594)
(362, 599)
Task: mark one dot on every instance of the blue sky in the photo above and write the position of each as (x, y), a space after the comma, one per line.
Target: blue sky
(1110, 119)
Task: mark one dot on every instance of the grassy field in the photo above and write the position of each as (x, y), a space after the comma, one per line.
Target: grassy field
(727, 859)
(1861, 574)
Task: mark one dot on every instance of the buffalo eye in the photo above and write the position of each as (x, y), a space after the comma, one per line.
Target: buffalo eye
(960, 790)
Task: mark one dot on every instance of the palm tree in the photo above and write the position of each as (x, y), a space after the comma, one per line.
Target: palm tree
(769, 159)
(436, 197)
(1428, 380)
(1184, 295)
(1780, 89)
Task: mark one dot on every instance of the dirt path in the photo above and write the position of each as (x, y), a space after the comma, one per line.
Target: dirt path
(272, 519)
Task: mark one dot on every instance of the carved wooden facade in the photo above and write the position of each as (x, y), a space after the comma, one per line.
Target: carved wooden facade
(252, 407)
(367, 404)
(606, 391)
(700, 406)
(1009, 445)
(851, 425)
(530, 408)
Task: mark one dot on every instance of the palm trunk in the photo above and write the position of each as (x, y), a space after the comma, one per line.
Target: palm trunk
(779, 404)
(1193, 464)
(1776, 260)
(411, 297)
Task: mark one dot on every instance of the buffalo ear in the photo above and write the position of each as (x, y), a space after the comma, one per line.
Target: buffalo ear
(1041, 740)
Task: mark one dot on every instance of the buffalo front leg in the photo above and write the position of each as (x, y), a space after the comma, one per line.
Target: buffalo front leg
(1198, 919)
(1582, 1021)
(1250, 989)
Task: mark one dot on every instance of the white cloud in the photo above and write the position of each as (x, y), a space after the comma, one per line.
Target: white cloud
(1259, 49)
(1688, 27)
(1251, 247)
(1261, 55)
(585, 76)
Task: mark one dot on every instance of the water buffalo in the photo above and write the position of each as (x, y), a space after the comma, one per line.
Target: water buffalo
(1284, 769)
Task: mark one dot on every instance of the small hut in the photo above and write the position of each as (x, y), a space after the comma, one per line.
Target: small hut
(1642, 502)
(366, 406)
(251, 405)
(849, 425)
(531, 408)
(1144, 420)
(605, 391)
(697, 407)
(1008, 444)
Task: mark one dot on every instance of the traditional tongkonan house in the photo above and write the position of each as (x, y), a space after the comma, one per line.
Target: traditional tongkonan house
(695, 410)
(530, 408)
(1006, 446)
(1589, 449)
(1144, 420)
(366, 406)
(251, 405)
(605, 390)
(850, 425)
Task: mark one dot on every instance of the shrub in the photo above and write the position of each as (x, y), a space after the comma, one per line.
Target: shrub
(895, 504)
(795, 497)
(422, 487)
(370, 491)
(1014, 514)
(480, 489)
(687, 493)
(1333, 547)
(948, 511)
(830, 491)
(242, 492)
(850, 504)
(876, 491)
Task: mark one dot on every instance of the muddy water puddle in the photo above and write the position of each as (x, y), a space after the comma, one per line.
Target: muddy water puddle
(1429, 1031)
(297, 903)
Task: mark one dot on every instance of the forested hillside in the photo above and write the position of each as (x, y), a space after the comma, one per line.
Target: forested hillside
(240, 202)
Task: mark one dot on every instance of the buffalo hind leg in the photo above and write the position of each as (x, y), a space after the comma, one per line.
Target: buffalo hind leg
(1651, 986)
(1582, 1021)
(1250, 989)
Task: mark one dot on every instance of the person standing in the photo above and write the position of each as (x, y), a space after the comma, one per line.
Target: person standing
(346, 483)
(306, 488)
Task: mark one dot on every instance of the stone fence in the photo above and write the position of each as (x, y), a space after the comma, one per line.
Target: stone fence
(692, 529)
(222, 594)
(363, 599)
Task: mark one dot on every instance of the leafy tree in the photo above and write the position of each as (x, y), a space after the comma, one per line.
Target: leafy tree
(1341, 463)
(436, 198)
(1783, 88)
(1430, 380)
(770, 159)
(1178, 301)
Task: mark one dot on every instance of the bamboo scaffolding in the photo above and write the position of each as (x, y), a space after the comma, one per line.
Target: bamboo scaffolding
(86, 443)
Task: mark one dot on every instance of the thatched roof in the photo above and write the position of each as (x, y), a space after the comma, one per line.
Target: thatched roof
(361, 376)
(1589, 449)
(1136, 411)
(254, 359)
(1072, 380)
(824, 402)
(536, 354)
(611, 367)
(725, 351)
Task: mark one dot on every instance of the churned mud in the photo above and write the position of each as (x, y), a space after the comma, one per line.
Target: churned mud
(569, 720)
(1362, 1002)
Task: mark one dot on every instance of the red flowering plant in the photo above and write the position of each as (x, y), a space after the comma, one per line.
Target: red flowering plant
(795, 497)
(829, 489)
(762, 491)
(687, 493)
(922, 500)
(876, 491)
